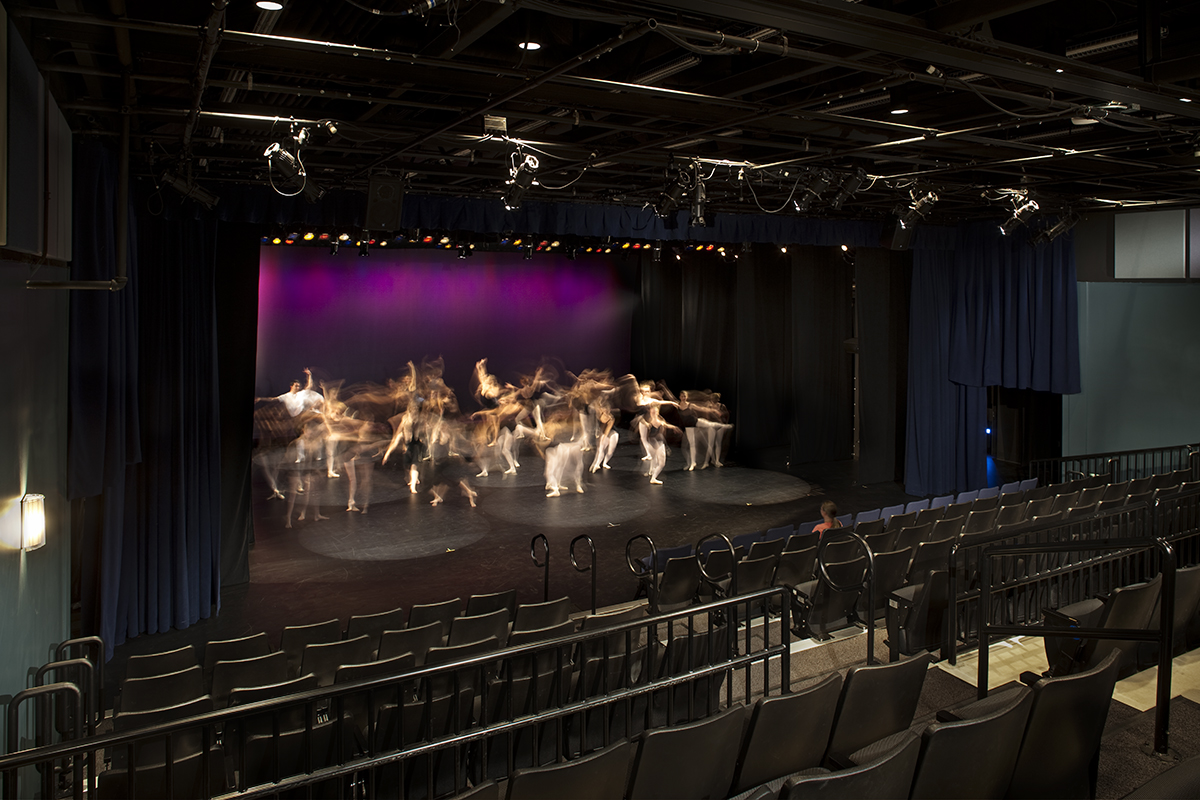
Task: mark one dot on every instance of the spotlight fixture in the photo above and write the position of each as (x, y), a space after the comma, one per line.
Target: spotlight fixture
(672, 195)
(190, 189)
(917, 210)
(269, 5)
(849, 187)
(1064, 224)
(292, 169)
(1021, 214)
(520, 179)
(696, 219)
(818, 181)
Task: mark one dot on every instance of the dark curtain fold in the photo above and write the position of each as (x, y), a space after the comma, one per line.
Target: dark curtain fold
(1014, 322)
(946, 448)
(823, 420)
(764, 342)
(708, 357)
(143, 447)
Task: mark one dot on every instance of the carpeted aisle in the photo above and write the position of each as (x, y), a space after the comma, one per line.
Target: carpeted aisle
(1129, 735)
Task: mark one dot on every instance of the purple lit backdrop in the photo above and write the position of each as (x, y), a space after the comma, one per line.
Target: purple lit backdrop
(362, 319)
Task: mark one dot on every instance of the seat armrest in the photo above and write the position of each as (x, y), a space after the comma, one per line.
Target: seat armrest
(1061, 620)
(838, 761)
(1030, 678)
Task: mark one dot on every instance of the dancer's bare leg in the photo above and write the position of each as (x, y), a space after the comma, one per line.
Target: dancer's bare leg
(554, 470)
(573, 464)
(506, 443)
(658, 460)
(643, 431)
(351, 470)
(717, 436)
(413, 481)
(294, 485)
(468, 492)
(611, 447)
(439, 494)
(690, 445)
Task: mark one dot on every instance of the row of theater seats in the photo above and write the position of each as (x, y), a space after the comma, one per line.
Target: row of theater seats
(850, 739)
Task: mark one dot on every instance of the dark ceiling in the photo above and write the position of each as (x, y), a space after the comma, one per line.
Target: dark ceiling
(1078, 104)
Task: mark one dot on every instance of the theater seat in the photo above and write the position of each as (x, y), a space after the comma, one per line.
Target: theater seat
(877, 701)
(597, 776)
(888, 774)
(688, 761)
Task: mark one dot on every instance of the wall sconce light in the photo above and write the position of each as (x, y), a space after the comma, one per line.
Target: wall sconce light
(33, 521)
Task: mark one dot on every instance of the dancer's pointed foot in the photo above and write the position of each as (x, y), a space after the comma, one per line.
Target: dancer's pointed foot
(645, 458)
(483, 474)
(719, 463)
(319, 516)
(287, 524)
(300, 518)
(691, 467)
(606, 465)
(552, 493)
(275, 493)
(352, 506)
(656, 481)
(333, 474)
(510, 471)
(579, 488)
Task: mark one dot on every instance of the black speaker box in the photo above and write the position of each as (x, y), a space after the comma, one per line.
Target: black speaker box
(385, 196)
(896, 237)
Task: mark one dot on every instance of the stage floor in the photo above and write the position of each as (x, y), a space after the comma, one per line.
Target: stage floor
(404, 551)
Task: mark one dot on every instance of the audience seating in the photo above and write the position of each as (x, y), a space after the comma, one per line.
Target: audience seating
(373, 625)
(916, 505)
(870, 527)
(322, 659)
(151, 664)
(882, 773)
(531, 616)
(787, 734)
(950, 766)
(599, 775)
(296, 637)
(1127, 608)
(830, 609)
(677, 585)
(246, 672)
(486, 603)
(161, 691)
(233, 650)
(939, 502)
(691, 760)
(1060, 750)
(415, 640)
(443, 612)
(876, 701)
(474, 629)
(916, 616)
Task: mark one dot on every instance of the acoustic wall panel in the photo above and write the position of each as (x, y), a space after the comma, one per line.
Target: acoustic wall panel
(1150, 245)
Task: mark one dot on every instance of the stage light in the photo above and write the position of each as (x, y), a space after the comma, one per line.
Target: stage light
(276, 240)
(345, 237)
(818, 182)
(1020, 216)
(309, 236)
(850, 186)
(699, 196)
(1064, 224)
(269, 5)
(670, 197)
(521, 178)
(292, 169)
(917, 210)
(33, 522)
(190, 189)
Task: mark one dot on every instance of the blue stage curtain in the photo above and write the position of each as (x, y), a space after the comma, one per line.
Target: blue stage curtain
(143, 447)
(946, 447)
(1014, 322)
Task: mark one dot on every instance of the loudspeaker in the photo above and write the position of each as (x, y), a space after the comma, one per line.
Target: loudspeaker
(896, 237)
(385, 195)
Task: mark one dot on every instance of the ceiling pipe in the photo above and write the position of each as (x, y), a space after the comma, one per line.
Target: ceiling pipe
(208, 49)
(627, 35)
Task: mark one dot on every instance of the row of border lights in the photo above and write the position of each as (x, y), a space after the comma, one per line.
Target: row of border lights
(446, 243)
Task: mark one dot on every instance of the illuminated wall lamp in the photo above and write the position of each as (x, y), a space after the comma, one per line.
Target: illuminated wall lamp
(33, 521)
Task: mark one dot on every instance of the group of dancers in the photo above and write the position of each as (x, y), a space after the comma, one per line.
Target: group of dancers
(416, 419)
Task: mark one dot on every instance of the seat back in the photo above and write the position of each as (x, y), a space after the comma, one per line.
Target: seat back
(978, 521)
(787, 734)
(233, 650)
(882, 542)
(870, 527)
(1007, 515)
(151, 664)
(1128, 608)
(323, 658)
(929, 556)
(604, 773)
(869, 516)
(947, 528)
(889, 774)
(443, 612)
(245, 672)
(832, 608)
(930, 515)
(755, 573)
(779, 532)
(410, 640)
(909, 538)
(841, 548)
(771, 547)
(486, 603)
(532, 616)
(677, 586)
(1029, 483)
(891, 569)
(692, 760)
(373, 625)
(295, 638)
(1064, 502)
(941, 502)
(902, 520)
(987, 493)
(795, 567)
(802, 541)
(949, 765)
(877, 701)
(967, 497)
(957, 510)
(473, 629)
(916, 505)
(1062, 737)
(162, 691)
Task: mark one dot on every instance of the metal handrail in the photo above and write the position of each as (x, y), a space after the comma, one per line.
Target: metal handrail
(546, 566)
(1164, 635)
(94, 650)
(733, 554)
(591, 567)
(1043, 467)
(868, 582)
(77, 751)
(640, 570)
(333, 696)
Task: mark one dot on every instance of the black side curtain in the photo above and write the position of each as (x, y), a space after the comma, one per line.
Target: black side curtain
(994, 311)
(144, 449)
